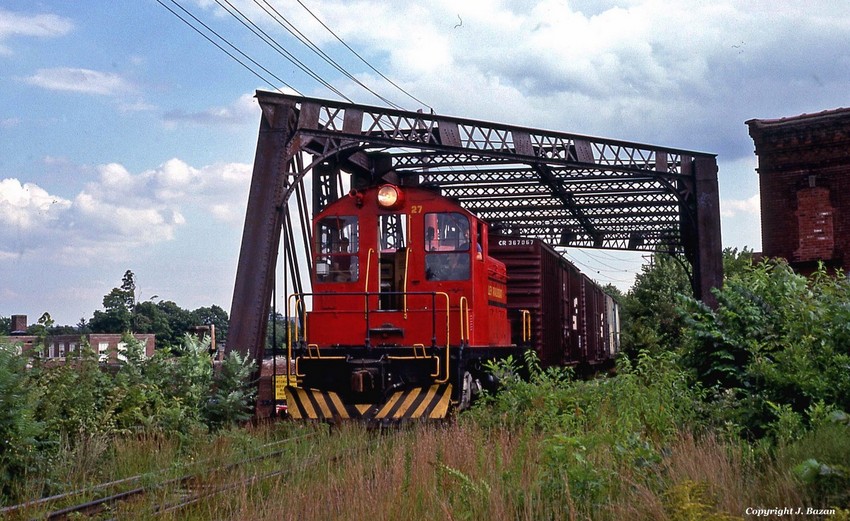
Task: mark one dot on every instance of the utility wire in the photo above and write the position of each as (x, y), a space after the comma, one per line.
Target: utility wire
(271, 42)
(301, 37)
(379, 73)
(254, 72)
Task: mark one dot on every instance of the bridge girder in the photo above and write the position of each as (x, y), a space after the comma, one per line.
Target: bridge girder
(567, 189)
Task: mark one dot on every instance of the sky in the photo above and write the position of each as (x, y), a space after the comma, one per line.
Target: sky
(127, 138)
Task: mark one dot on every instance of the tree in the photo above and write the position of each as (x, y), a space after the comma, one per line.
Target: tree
(179, 322)
(213, 315)
(650, 319)
(5, 326)
(150, 318)
(118, 306)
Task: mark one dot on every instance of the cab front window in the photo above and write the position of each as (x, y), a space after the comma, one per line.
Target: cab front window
(336, 248)
(446, 246)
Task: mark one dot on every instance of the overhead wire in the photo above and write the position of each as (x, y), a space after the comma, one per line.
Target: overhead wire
(225, 40)
(271, 42)
(301, 37)
(612, 269)
(355, 53)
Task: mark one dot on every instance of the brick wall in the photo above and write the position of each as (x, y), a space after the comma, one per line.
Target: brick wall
(815, 231)
(804, 183)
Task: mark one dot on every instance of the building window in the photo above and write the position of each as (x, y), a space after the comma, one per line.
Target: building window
(103, 351)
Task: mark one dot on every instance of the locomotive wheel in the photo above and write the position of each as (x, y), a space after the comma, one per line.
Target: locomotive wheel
(466, 385)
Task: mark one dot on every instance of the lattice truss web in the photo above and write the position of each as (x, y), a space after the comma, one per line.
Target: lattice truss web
(566, 189)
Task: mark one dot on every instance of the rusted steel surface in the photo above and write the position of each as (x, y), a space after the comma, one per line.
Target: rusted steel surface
(261, 235)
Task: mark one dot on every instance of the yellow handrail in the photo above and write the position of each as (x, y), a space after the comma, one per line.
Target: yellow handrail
(464, 319)
(448, 326)
(417, 357)
(526, 325)
(319, 353)
(289, 336)
(366, 286)
(404, 294)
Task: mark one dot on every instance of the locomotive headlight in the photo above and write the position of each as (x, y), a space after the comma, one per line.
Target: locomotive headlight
(389, 197)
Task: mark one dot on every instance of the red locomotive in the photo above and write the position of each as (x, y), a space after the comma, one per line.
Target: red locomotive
(412, 295)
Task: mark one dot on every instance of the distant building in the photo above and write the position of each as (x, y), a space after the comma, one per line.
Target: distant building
(804, 184)
(58, 347)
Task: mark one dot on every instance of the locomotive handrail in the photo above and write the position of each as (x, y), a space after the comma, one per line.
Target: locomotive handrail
(299, 299)
(366, 285)
(448, 330)
(289, 335)
(417, 357)
(526, 325)
(404, 288)
(319, 353)
(464, 320)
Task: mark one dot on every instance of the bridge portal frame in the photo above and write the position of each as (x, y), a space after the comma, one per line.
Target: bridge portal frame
(570, 190)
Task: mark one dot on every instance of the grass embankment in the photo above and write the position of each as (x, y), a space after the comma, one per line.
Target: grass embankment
(630, 447)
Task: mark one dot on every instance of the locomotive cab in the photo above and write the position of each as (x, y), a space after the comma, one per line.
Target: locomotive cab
(406, 305)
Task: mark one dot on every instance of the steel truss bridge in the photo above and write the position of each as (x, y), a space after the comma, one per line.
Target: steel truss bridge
(569, 190)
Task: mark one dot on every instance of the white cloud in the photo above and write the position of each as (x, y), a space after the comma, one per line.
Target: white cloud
(237, 113)
(85, 81)
(734, 207)
(28, 206)
(120, 211)
(40, 26)
(679, 73)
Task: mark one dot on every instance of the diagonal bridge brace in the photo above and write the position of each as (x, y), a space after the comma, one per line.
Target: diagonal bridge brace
(566, 197)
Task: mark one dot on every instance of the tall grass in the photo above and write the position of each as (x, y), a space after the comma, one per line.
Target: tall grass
(465, 470)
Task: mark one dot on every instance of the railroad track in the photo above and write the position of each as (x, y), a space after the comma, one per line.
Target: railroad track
(180, 492)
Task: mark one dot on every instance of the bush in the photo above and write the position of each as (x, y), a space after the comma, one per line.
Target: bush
(19, 430)
(776, 344)
(593, 427)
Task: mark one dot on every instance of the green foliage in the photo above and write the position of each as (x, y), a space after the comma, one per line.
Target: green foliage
(5, 326)
(19, 430)
(79, 405)
(650, 321)
(650, 316)
(820, 459)
(165, 319)
(231, 396)
(589, 423)
(693, 501)
(776, 344)
(75, 399)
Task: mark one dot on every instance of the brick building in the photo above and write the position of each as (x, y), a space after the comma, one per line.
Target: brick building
(57, 347)
(804, 183)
